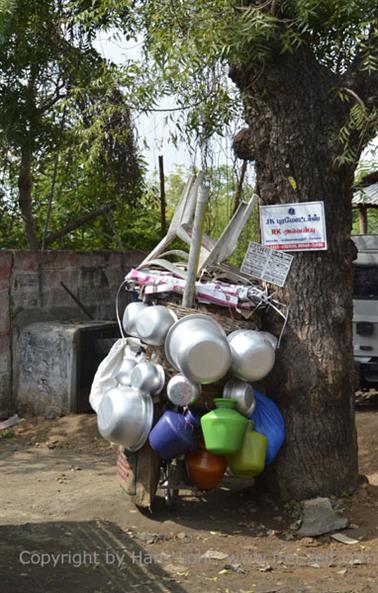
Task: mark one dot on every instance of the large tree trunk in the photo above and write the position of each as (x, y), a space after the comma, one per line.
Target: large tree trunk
(294, 118)
(25, 195)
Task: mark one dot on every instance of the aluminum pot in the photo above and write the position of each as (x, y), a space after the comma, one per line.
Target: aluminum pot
(252, 355)
(153, 323)
(127, 365)
(197, 346)
(267, 335)
(242, 393)
(129, 317)
(125, 417)
(181, 391)
(148, 377)
(271, 338)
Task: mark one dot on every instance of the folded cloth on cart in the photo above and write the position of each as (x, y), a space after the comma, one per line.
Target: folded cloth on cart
(217, 293)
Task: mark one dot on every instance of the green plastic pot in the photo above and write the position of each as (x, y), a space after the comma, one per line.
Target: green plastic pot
(223, 428)
(249, 461)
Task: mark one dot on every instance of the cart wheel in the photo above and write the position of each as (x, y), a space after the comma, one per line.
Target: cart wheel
(171, 497)
(169, 484)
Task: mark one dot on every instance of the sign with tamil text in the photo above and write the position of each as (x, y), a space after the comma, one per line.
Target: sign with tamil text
(266, 264)
(294, 227)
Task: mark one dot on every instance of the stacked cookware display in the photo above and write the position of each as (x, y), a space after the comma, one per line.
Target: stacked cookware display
(202, 382)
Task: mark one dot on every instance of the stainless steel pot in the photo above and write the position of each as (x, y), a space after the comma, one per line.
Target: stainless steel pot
(148, 377)
(242, 393)
(197, 346)
(267, 335)
(253, 355)
(271, 338)
(181, 391)
(153, 323)
(127, 365)
(125, 417)
(129, 317)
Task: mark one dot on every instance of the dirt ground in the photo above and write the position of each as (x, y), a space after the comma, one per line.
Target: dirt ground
(66, 525)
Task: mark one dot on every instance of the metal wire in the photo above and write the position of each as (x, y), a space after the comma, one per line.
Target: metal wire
(117, 308)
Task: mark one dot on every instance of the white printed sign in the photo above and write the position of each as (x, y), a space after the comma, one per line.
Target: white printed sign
(294, 227)
(266, 264)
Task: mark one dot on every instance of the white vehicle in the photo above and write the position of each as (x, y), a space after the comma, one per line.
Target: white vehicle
(365, 310)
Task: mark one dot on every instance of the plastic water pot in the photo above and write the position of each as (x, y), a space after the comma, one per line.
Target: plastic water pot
(205, 469)
(223, 428)
(174, 434)
(249, 461)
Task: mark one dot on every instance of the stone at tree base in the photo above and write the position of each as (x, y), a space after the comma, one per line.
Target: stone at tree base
(319, 518)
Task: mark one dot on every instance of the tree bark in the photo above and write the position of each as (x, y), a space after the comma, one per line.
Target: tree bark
(294, 120)
(239, 187)
(25, 195)
(363, 219)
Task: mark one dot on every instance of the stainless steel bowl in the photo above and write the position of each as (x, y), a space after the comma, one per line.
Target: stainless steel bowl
(252, 355)
(127, 365)
(181, 391)
(148, 377)
(267, 335)
(242, 393)
(153, 323)
(197, 346)
(129, 317)
(234, 333)
(125, 417)
(271, 338)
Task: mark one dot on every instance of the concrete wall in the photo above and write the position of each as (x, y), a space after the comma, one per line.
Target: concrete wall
(30, 291)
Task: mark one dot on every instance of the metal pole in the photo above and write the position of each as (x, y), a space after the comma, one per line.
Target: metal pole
(195, 245)
(162, 197)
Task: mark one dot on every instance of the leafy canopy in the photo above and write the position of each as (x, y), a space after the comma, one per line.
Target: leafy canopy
(189, 44)
(62, 104)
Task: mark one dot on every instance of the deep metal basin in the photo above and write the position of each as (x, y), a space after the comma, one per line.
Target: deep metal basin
(271, 338)
(181, 391)
(197, 346)
(153, 323)
(129, 317)
(242, 393)
(125, 417)
(148, 377)
(253, 355)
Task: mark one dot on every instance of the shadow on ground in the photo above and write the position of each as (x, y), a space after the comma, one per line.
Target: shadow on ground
(83, 557)
(234, 508)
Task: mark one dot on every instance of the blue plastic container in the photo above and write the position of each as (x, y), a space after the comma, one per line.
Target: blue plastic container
(269, 421)
(174, 434)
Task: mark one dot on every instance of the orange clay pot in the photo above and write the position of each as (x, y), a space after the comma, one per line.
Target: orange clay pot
(205, 469)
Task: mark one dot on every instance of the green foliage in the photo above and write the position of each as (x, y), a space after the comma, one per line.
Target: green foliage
(61, 103)
(59, 98)
(223, 183)
(7, 434)
(363, 169)
(372, 215)
(188, 47)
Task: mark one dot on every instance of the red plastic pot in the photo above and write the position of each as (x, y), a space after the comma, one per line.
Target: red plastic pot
(205, 469)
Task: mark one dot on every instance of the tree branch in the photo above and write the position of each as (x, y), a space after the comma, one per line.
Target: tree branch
(354, 95)
(73, 225)
(48, 104)
(360, 80)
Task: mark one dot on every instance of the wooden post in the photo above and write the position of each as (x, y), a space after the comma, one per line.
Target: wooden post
(363, 219)
(163, 218)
